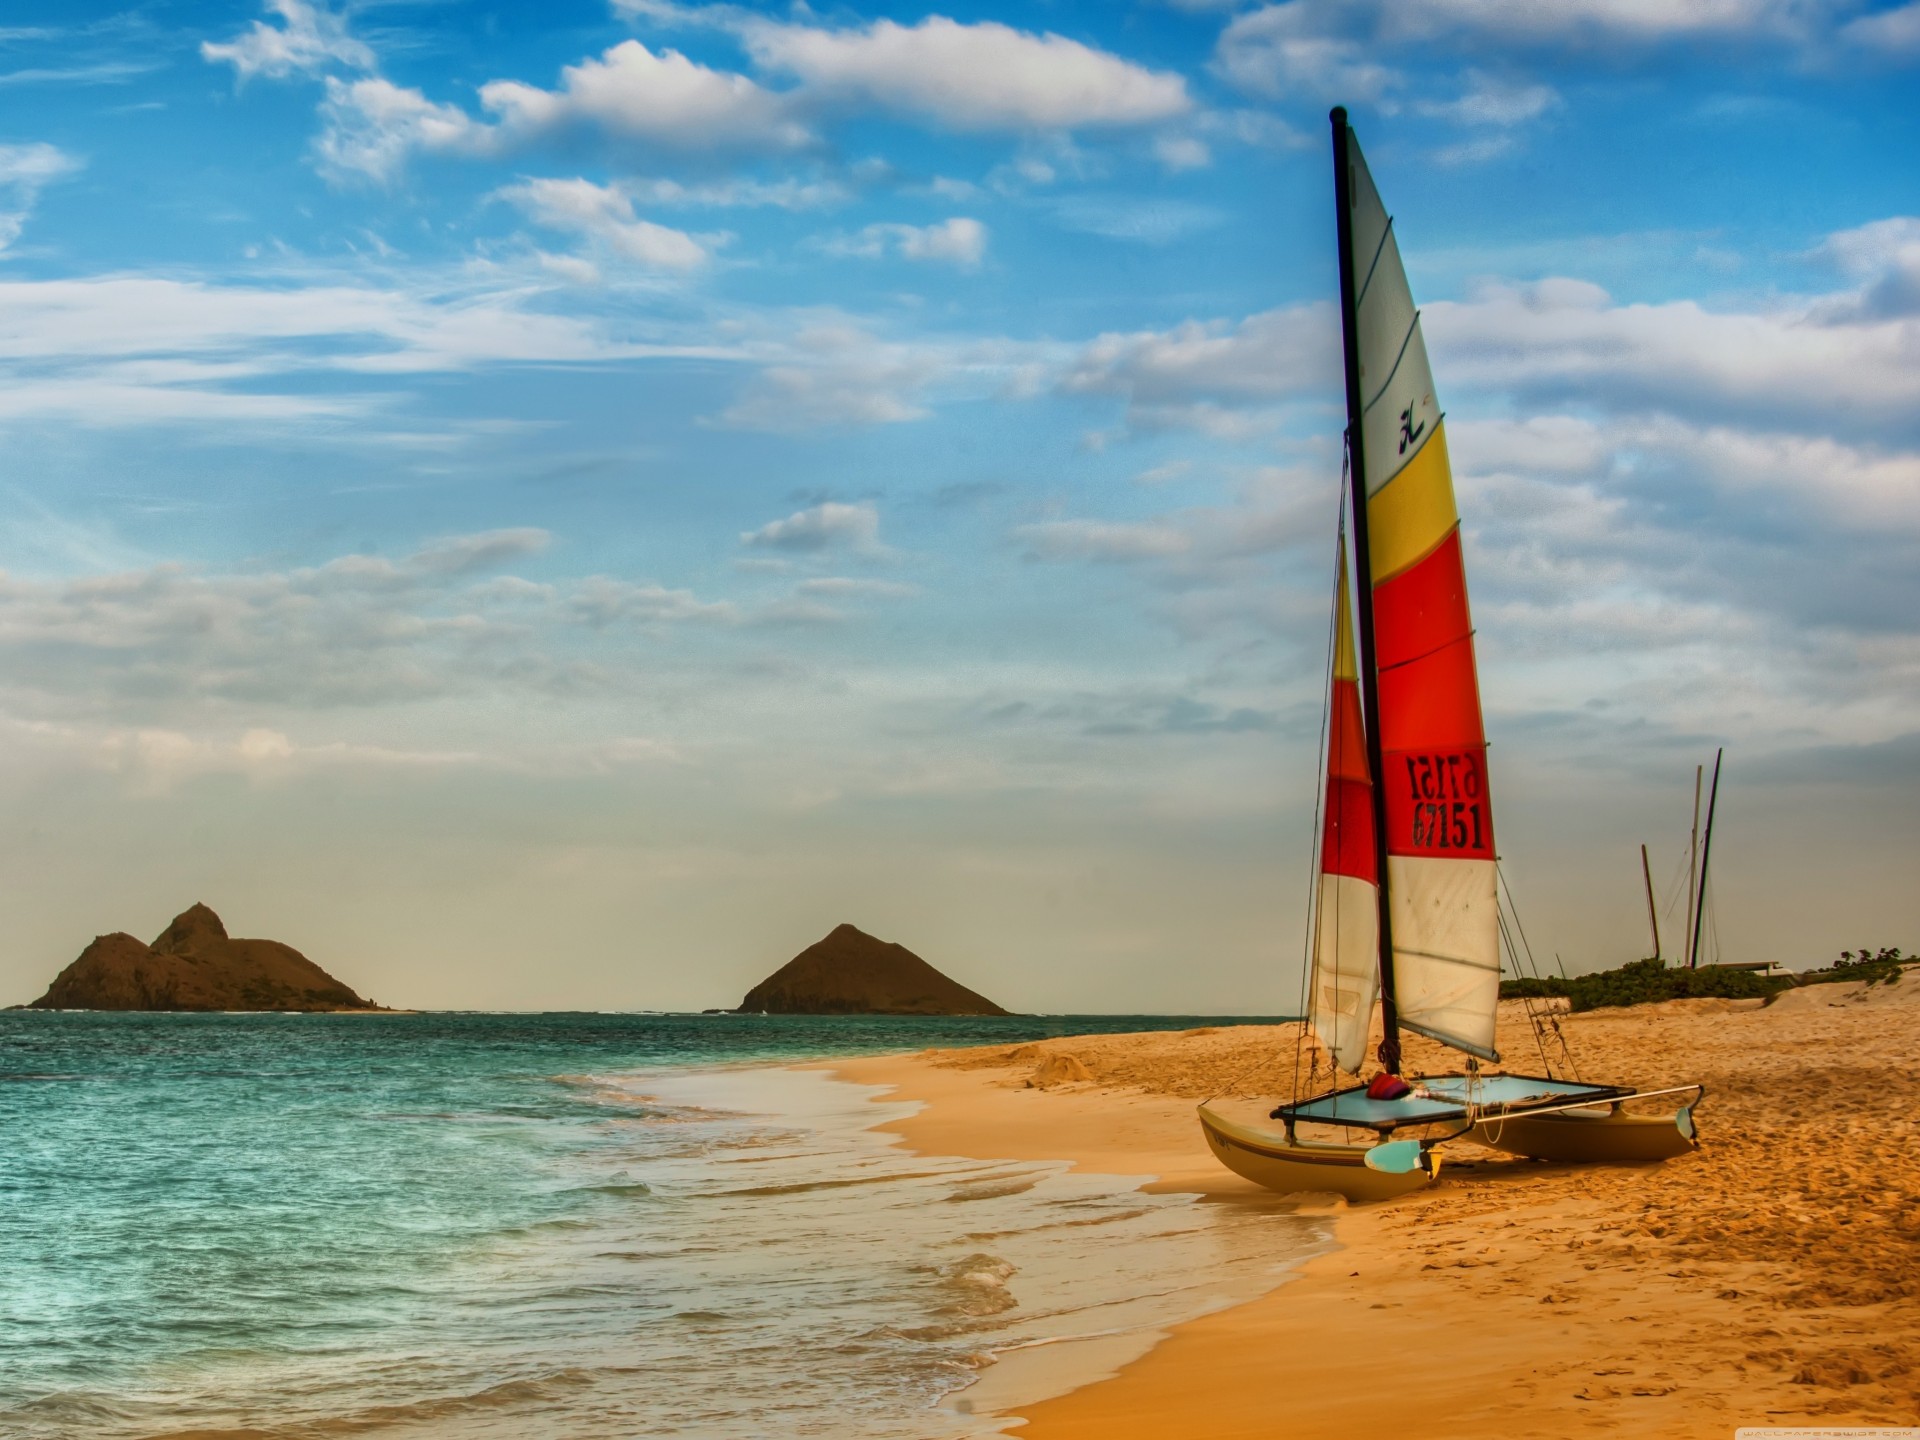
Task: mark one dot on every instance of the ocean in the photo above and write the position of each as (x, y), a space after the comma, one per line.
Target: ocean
(533, 1226)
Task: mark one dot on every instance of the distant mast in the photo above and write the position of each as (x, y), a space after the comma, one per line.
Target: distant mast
(1706, 858)
(1693, 855)
(1653, 917)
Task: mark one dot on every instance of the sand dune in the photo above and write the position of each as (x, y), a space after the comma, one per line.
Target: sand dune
(1771, 1278)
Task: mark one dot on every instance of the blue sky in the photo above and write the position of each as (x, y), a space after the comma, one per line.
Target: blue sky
(561, 504)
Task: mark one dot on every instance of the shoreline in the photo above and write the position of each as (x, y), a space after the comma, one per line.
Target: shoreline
(1771, 1278)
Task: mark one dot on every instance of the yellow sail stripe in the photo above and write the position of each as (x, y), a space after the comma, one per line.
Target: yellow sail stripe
(1345, 666)
(1413, 512)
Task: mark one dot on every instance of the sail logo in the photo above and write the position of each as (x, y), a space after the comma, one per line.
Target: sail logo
(1410, 432)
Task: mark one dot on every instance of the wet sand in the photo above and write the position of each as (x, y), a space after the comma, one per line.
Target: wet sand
(1770, 1278)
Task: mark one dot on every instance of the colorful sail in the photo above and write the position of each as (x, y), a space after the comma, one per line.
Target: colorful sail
(1346, 940)
(1440, 855)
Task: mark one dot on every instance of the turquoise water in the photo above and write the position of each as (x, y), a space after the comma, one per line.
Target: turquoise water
(530, 1226)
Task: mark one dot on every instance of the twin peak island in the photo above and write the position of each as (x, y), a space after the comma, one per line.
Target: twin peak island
(195, 965)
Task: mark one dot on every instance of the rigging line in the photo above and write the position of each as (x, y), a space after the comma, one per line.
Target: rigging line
(1520, 967)
(1501, 872)
(1539, 1036)
(1319, 786)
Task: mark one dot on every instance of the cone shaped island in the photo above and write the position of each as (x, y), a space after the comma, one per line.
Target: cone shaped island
(852, 973)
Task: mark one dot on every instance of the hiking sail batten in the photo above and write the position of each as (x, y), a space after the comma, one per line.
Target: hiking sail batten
(1440, 940)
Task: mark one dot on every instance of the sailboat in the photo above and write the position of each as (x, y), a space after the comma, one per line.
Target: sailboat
(1407, 923)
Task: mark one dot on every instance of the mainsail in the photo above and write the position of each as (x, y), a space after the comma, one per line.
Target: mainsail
(1440, 875)
(1346, 939)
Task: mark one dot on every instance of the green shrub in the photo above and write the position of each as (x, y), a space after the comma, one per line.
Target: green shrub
(1880, 966)
(1642, 982)
(1529, 987)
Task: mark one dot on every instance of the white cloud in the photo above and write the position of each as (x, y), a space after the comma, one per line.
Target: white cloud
(359, 630)
(605, 215)
(829, 526)
(134, 349)
(968, 77)
(570, 268)
(1797, 365)
(838, 374)
(845, 587)
(661, 100)
(1492, 100)
(1885, 256)
(1103, 540)
(25, 170)
(372, 126)
(309, 39)
(785, 194)
(958, 241)
(1182, 152)
(34, 165)
(1350, 49)
(1893, 32)
(1196, 371)
(630, 97)
(1606, 22)
(1285, 51)
(601, 601)
(1164, 474)
(984, 76)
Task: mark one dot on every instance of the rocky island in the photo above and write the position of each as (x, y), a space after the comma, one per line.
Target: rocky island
(851, 973)
(195, 965)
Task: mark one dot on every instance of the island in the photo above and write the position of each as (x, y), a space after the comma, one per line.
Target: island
(852, 973)
(195, 965)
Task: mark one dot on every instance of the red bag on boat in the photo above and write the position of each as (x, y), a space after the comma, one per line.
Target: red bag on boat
(1387, 1087)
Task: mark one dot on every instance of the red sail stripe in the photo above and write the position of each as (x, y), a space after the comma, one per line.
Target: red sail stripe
(1423, 607)
(1432, 703)
(1347, 737)
(1347, 844)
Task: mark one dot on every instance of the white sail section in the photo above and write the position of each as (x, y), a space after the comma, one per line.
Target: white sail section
(1446, 949)
(1346, 967)
(1399, 412)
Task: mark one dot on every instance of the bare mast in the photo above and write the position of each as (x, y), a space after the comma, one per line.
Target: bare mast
(1693, 852)
(1706, 855)
(1653, 917)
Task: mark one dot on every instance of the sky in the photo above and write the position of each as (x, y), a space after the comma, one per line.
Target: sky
(559, 505)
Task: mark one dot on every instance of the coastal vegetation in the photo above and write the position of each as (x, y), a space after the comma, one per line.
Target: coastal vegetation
(1644, 982)
(1876, 967)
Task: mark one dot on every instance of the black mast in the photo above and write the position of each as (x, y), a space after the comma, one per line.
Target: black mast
(1706, 856)
(1363, 568)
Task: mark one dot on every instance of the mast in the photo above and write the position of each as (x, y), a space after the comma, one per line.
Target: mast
(1706, 854)
(1693, 855)
(1653, 917)
(1363, 565)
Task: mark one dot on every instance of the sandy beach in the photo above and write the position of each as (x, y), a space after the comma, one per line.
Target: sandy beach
(1770, 1278)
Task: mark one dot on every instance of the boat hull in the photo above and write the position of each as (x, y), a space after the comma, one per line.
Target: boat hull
(1293, 1167)
(1593, 1136)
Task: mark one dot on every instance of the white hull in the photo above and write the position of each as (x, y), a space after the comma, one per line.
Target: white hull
(1269, 1158)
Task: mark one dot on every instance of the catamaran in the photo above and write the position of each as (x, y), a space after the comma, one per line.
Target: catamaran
(1407, 922)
